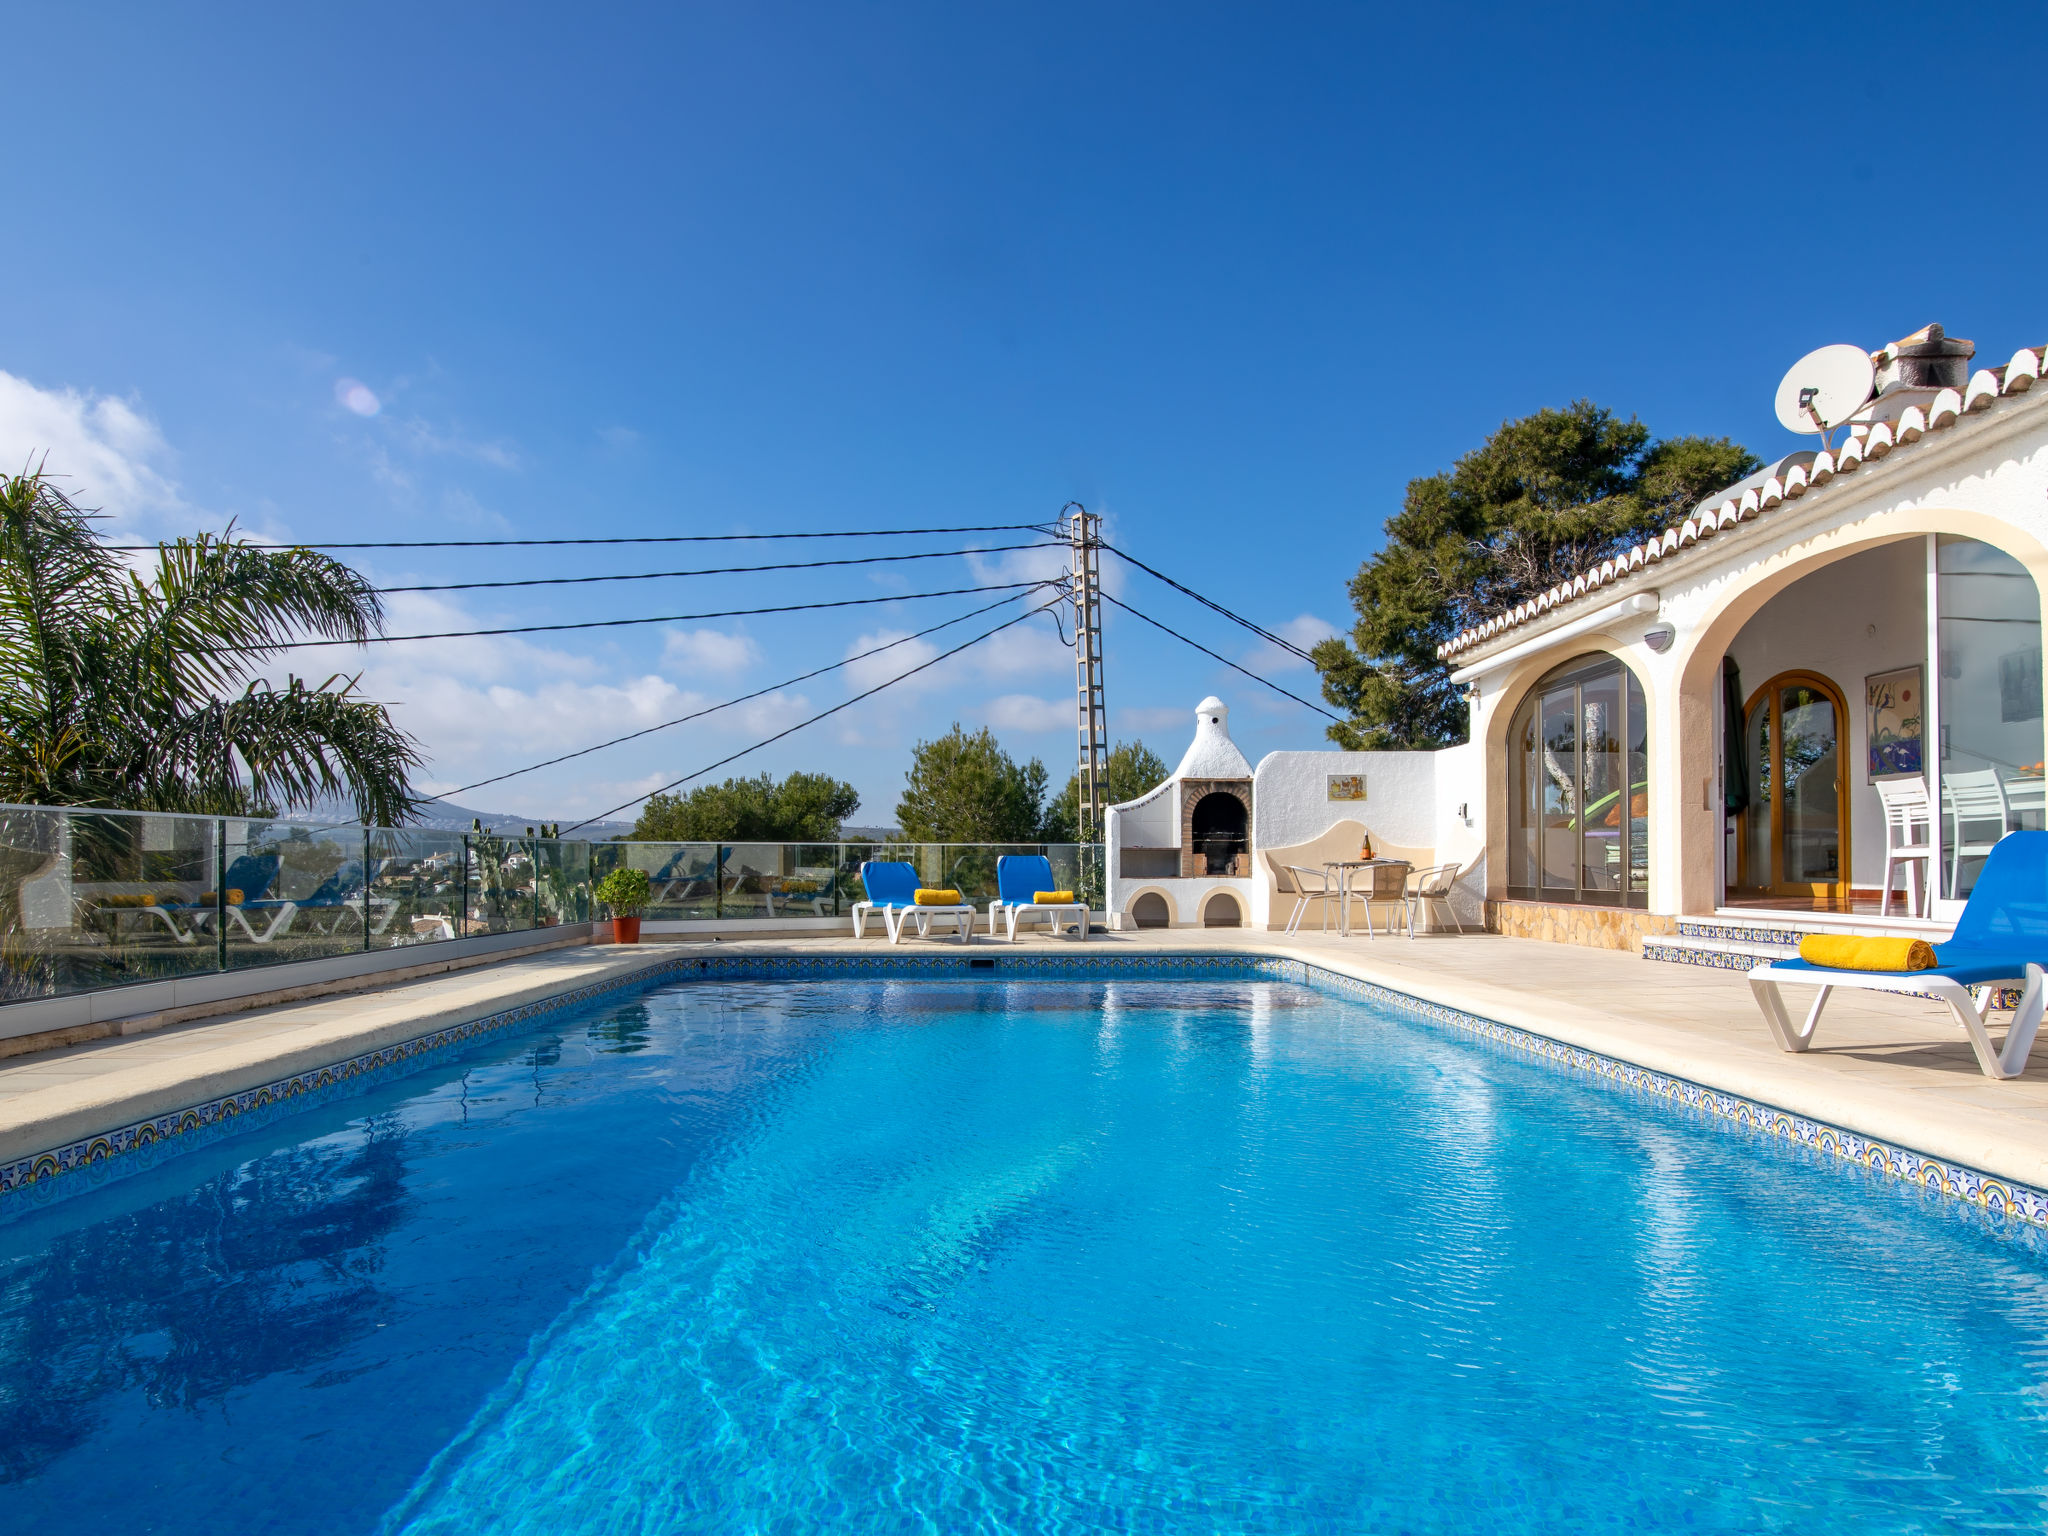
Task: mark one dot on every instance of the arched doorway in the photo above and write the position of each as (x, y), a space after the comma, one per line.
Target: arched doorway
(1793, 839)
(1578, 788)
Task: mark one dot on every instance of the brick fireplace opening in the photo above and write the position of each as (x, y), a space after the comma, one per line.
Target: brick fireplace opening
(1215, 831)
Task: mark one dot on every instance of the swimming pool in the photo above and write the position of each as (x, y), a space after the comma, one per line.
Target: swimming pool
(1034, 1256)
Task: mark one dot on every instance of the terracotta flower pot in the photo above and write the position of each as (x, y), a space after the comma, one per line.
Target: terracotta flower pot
(626, 930)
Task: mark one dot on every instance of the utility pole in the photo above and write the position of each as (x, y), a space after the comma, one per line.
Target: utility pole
(1084, 535)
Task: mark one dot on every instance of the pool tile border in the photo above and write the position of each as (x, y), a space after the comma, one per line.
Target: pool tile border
(47, 1176)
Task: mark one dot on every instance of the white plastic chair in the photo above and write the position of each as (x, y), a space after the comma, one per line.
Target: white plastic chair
(1908, 840)
(2026, 794)
(1976, 798)
(1430, 889)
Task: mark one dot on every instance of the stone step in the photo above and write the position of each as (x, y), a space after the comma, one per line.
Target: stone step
(1712, 930)
(1786, 928)
(1726, 954)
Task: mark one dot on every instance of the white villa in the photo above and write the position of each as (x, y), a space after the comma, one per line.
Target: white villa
(1699, 730)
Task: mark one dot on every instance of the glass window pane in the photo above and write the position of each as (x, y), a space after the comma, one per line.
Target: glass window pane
(1638, 858)
(1759, 870)
(1560, 791)
(1524, 775)
(1989, 633)
(1811, 763)
(1603, 792)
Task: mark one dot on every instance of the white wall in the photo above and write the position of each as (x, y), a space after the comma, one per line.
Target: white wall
(1411, 800)
(1152, 821)
(1291, 797)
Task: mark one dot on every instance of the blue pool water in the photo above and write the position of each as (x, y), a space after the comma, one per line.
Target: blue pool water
(1033, 1257)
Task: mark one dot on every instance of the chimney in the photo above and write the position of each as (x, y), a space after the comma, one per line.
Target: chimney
(1928, 359)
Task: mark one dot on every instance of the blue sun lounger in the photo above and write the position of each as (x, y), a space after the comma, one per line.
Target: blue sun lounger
(892, 885)
(1019, 879)
(2000, 941)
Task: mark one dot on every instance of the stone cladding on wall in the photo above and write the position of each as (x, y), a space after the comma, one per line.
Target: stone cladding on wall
(1559, 922)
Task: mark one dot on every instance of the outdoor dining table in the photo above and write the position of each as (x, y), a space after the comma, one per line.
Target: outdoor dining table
(1344, 868)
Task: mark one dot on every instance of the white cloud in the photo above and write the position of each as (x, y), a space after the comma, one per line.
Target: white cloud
(708, 651)
(1047, 562)
(425, 439)
(462, 507)
(484, 704)
(1026, 712)
(105, 452)
(870, 671)
(618, 437)
(1033, 647)
(1305, 630)
(354, 395)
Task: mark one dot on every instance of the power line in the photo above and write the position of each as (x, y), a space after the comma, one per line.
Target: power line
(717, 570)
(788, 682)
(1260, 630)
(822, 714)
(1184, 640)
(659, 618)
(680, 538)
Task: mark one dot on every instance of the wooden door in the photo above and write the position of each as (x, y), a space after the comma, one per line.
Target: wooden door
(1795, 834)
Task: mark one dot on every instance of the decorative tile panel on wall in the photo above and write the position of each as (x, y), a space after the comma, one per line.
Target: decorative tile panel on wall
(92, 1161)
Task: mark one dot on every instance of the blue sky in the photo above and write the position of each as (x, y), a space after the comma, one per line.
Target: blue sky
(1229, 276)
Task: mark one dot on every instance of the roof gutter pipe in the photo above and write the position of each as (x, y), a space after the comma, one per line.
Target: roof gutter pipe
(1632, 606)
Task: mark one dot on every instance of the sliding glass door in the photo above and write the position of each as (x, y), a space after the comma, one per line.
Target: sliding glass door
(1987, 696)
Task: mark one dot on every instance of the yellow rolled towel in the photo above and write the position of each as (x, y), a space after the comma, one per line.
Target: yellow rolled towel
(1854, 952)
(1054, 898)
(938, 898)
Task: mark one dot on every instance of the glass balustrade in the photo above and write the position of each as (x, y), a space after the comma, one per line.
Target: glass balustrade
(92, 899)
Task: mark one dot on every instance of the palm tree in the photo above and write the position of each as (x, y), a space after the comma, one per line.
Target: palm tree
(140, 690)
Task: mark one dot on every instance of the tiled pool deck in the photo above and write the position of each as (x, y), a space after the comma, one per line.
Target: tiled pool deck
(1890, 1071)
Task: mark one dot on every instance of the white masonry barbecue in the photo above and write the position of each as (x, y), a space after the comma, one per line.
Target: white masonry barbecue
(1182, 855)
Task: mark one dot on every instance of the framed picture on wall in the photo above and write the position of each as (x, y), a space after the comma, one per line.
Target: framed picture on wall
(1347, 786)
(1895, 718)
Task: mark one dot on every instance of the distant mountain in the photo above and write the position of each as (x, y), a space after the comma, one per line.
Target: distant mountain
(447, 816)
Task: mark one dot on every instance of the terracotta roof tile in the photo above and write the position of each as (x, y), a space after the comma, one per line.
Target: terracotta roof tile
(1887, 431)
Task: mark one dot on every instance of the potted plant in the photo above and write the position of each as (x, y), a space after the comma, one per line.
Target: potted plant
(624, 892)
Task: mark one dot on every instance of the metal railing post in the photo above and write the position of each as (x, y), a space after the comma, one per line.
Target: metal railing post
(462, 916)
(220, 893)
(718, 882)
(366, 889)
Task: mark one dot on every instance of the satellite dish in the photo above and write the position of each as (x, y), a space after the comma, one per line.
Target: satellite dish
(1825, 388)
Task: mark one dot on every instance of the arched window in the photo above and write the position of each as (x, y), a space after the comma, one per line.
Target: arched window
(1578, 788)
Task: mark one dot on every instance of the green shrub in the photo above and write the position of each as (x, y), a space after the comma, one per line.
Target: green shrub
(624, 891)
